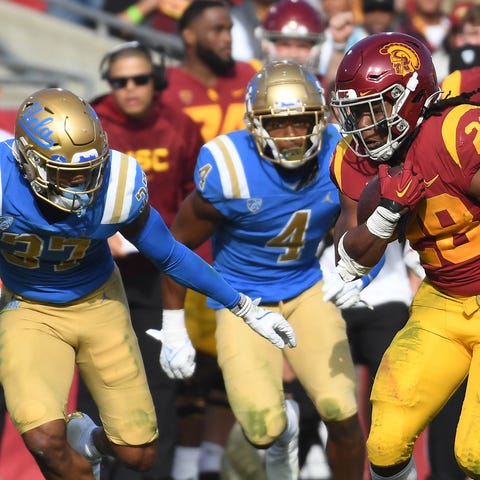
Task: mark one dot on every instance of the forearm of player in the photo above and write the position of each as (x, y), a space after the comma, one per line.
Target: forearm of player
(358, 251)
(179, 262)
(173, 293)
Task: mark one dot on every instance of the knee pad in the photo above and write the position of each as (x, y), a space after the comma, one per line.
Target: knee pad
(262, 428)
(467, 459)
(387, 448)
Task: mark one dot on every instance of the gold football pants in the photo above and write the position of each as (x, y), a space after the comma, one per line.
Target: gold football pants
(426, 362)
(40, 344)
(252, 367)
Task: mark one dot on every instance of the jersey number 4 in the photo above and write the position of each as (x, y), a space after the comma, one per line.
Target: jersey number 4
(292, 236)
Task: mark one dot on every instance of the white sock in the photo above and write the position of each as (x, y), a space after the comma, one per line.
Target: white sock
(211, 455)
(408, 473)
(185, 463)
(292, 423)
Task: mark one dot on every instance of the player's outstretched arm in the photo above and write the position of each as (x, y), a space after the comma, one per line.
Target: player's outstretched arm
(186, 268)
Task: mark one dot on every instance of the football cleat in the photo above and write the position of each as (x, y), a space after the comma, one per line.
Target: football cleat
(79, 431)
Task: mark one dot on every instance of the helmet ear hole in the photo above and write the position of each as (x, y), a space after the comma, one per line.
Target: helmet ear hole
(247, 122)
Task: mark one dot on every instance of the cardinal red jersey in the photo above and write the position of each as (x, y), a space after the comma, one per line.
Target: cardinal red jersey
(349, 172)
(445, 227)
(166, 144)
(461, 81)
(218, 109)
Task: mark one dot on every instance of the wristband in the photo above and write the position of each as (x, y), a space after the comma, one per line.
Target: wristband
(367, 279)
(348, 268)
(382, 222)
(242, 307)
(173, 320)
(134, 14)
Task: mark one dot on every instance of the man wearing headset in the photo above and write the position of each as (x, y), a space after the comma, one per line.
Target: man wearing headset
(165, 142)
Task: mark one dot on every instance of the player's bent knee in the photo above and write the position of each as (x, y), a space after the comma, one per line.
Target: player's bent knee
(334, 408)
(262, 429)
(388, 448)
(467, 459)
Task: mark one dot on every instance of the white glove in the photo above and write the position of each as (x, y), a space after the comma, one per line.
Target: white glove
(177, 356)
(269, 325)
(343, 294)
(412, 261)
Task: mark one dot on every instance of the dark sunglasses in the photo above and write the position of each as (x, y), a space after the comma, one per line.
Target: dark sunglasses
(121, 82)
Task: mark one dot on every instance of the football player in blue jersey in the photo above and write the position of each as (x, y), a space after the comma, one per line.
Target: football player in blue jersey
(265, 196)
(63, 192)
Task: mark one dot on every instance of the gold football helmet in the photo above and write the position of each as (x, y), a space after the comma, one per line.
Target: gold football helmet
(61, 147)
(285, 89)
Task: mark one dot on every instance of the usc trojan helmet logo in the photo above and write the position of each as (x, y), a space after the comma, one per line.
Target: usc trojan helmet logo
(404, 58)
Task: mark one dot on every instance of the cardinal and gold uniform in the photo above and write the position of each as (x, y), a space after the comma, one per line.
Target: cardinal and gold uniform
(217, 109)
(431, 356)
(462, 81)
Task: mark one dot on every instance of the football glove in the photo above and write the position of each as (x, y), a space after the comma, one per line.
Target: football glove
(344, 294)
(400, 193)
(269, 325)
(177, 356)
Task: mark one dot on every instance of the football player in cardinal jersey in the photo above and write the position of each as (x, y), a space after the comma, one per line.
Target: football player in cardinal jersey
(460, 81)
(386, 100)
(265, 195)
(63, 194)
(293, 30)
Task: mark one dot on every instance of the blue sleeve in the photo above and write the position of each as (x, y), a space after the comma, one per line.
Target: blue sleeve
(182, 264)
(367, 279)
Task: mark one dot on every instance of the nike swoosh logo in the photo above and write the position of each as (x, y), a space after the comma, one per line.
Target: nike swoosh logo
(430, 182)
(402, 193)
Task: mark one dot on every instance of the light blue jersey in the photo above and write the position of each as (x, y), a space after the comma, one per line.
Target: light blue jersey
(267, 245)
(57, 262)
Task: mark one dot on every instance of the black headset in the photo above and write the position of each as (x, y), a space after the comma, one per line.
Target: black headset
(158, 72)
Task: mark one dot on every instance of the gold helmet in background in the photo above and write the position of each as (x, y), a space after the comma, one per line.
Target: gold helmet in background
(285, 89)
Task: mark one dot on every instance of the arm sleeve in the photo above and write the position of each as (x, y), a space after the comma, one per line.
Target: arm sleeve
(182, 264)
(367, 279)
